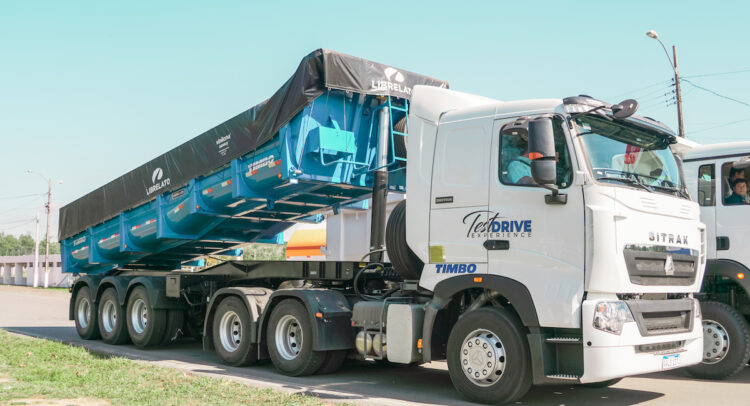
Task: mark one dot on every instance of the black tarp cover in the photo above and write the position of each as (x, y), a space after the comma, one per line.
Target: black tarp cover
(318, 71)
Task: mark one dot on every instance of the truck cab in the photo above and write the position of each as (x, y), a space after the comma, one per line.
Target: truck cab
(716, 177)
(579, 214)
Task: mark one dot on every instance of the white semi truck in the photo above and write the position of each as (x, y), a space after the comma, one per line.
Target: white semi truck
(540, 242)
(711, 171)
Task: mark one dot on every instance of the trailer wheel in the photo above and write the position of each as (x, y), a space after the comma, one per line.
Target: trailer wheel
(85, 314)
(289, 338)
(726, 342)
(488, 357)
(399, 141)
(405, 262)
(231, 333)
(146, 325)
(175, 323)
(333, 362)
(112, 319)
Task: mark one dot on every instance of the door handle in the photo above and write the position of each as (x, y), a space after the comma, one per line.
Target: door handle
(496, 244)
(722, 243)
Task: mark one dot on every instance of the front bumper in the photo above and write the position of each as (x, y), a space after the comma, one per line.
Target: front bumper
(609, 356)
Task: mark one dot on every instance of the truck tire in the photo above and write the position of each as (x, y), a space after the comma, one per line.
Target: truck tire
(231, 333)
(405, 262)
(175, 323)
(112, 326)
(85, 314)
(488, 357)
(146, 325)
(333, 362)
(726, 342)
(289, 339)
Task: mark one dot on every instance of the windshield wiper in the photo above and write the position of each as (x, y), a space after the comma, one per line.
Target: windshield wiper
(629, 181)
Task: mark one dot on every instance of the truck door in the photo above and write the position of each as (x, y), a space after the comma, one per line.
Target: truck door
(459, 198)
(732, 216)
(705, 193)
(540, 245)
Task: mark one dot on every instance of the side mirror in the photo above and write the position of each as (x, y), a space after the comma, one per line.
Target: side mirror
(543, 159)
(743, 163)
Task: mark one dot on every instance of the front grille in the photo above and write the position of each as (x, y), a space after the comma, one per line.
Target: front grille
(646, 265)
(658, 317)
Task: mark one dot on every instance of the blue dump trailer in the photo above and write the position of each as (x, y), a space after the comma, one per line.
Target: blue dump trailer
(333, 135)
(313, 146)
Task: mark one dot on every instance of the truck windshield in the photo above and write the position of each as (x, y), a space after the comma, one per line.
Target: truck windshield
(630, 156)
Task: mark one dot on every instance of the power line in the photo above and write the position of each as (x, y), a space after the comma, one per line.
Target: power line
(717, 94)
(22, 196)
(719, 126)
(717, 74)
(630, 92)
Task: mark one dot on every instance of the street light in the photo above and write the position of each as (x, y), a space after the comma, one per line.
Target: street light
(673, 63)
(36, 250)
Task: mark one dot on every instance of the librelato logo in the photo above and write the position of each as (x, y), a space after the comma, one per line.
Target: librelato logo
(157, 182)
(392, 83)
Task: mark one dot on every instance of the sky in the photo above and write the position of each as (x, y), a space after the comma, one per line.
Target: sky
(90, 90)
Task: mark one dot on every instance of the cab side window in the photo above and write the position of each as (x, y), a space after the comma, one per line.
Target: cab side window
(735, 190)
(707, 185)
(515, 165)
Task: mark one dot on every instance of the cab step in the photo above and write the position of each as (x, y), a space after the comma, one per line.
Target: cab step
(564, 340)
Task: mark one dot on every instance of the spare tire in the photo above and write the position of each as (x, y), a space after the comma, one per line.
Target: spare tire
(405, 262)
(399, 141)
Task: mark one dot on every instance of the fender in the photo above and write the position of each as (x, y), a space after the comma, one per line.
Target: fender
(255, 300)
(120, 283)
(516, 293)
(729, 269)
(92, 281)
(332, 330)
(156, 288)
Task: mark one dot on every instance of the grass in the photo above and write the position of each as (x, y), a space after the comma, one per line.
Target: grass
(43, 369)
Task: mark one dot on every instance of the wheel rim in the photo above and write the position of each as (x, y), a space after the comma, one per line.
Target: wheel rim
(230, 331)
(139, 316)
(288, 337)
(84, 312)
(715, 342)
(109, 316)
(482, 357)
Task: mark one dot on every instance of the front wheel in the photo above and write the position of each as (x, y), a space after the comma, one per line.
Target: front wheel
(726, 342)
(488, 357)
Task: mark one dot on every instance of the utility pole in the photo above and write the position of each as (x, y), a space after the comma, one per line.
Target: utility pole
(36, 253)
(46, 253)
(653, 34)
(679, 94)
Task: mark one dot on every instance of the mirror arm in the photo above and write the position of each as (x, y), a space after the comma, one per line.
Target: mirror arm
(555, 197)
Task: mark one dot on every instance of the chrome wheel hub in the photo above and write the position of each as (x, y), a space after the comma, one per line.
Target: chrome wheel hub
(84, 312)
(139, 316)
(482, 357)
(109, 316)
(715, 342)
(288, 336)
(230, 331)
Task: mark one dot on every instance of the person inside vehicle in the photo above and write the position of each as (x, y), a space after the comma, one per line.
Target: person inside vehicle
(739, 193)
(734, 174)
(519, 169)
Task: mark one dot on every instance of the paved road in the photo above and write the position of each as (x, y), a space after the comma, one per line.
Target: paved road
(41, 313)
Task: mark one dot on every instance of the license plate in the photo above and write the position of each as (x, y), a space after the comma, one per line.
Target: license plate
(670, 361)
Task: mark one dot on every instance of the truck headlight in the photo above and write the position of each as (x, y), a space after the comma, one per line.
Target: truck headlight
(610, 316)
(697, 309)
